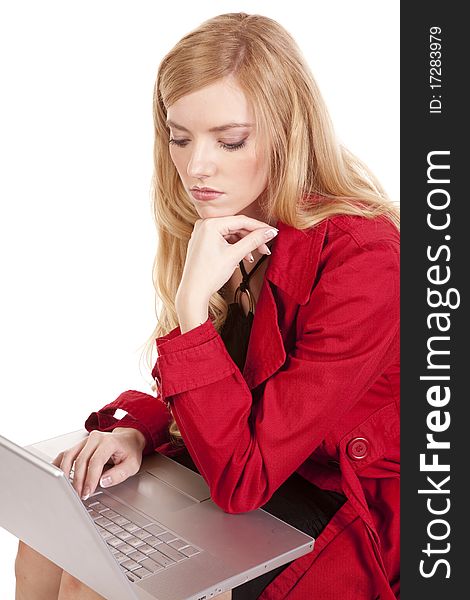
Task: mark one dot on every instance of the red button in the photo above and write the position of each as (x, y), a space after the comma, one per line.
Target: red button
(358, 448)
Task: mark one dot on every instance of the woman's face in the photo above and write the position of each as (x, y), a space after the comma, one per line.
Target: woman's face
(213, 145)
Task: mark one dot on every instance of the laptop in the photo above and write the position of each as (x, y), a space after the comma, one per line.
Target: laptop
(157, 535)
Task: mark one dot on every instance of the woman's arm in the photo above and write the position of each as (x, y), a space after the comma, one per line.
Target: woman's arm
(346, 337)
(147, 414)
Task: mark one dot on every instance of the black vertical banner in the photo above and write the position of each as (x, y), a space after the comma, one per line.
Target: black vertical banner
(435, 253)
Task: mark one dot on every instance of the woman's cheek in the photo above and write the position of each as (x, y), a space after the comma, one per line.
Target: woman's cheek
(179, 167)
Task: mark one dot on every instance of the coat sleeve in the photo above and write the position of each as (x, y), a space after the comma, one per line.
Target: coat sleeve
(246, 446)
(147, 414)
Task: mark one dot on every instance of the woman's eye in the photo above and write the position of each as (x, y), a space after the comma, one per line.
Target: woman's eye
(231, 147)
(181, 143)
(228, 147)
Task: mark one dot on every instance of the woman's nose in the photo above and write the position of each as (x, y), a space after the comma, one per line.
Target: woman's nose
(200, 164)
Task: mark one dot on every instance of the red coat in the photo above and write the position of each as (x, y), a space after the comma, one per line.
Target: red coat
(319, 395)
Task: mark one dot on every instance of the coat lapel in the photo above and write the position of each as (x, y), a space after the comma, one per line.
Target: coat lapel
(265, 353)
(292, 268)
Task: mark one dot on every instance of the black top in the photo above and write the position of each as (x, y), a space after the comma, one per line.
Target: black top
(237, 327)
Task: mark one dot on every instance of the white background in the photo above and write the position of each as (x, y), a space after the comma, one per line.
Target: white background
(76, 234)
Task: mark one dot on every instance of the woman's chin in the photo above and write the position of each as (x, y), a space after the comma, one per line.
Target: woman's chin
(206, 212)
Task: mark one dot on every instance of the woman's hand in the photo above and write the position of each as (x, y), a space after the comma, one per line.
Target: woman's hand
(211, 259)
(123, 448)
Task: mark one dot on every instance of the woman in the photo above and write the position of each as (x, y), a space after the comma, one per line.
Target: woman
(295, 410)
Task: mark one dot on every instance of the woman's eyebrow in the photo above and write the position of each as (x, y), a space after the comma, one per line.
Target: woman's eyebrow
(212, 129)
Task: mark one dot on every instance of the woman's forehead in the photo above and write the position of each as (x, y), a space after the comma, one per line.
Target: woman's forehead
(218, 106)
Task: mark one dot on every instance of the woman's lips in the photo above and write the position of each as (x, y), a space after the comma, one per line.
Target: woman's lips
(205, 195)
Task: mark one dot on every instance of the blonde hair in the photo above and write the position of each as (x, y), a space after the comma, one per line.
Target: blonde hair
(305, 157)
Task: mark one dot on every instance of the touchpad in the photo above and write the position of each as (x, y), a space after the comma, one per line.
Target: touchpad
(177, 476)
(149, 494)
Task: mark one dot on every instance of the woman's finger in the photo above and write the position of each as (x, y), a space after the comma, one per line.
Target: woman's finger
(89, 458)
(117, 474)
(66, 458)
(126, 458)
(233, 238)
(234, 223)
(255, 239)
(57, 460)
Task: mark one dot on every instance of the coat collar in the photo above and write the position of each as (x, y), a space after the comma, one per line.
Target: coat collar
(292, 268)
(294, 260)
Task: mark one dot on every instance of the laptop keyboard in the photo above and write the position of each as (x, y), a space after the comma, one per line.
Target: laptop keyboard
(141, 546)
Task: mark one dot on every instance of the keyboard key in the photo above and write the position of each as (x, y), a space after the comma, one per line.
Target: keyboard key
(91, 500)
(110, 514)
(120, 557)
(177, 544)
(105, 534)
(124, 535)
(171, 552)
(146, 549)
(137, 556)
(142, 534)
(114, 541)
(115, 529)
(103, 522)
(153, 541)
(161, 559)
(126, 549)
(189, 551)
(130, 564)
(98, 507)
(95, 496)
(154, 529)
(135, 542)
(166, 537)
(130, 574)
(121, 521)
(151, 565)
(141, 572)
(130, 527)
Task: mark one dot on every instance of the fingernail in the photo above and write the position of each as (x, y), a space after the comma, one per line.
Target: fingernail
(86, 494)
(270, 233)
(105, 481)
(250, 258)
(268, 251)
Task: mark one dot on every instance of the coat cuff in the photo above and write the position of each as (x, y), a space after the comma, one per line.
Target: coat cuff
(190, 360)
(140, 408)
(176, 341)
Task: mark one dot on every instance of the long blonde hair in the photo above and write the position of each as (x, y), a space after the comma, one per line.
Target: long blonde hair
(305, 156)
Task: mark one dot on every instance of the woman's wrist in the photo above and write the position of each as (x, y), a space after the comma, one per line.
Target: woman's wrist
(140, 437)
(192, 319)
(192, 311)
